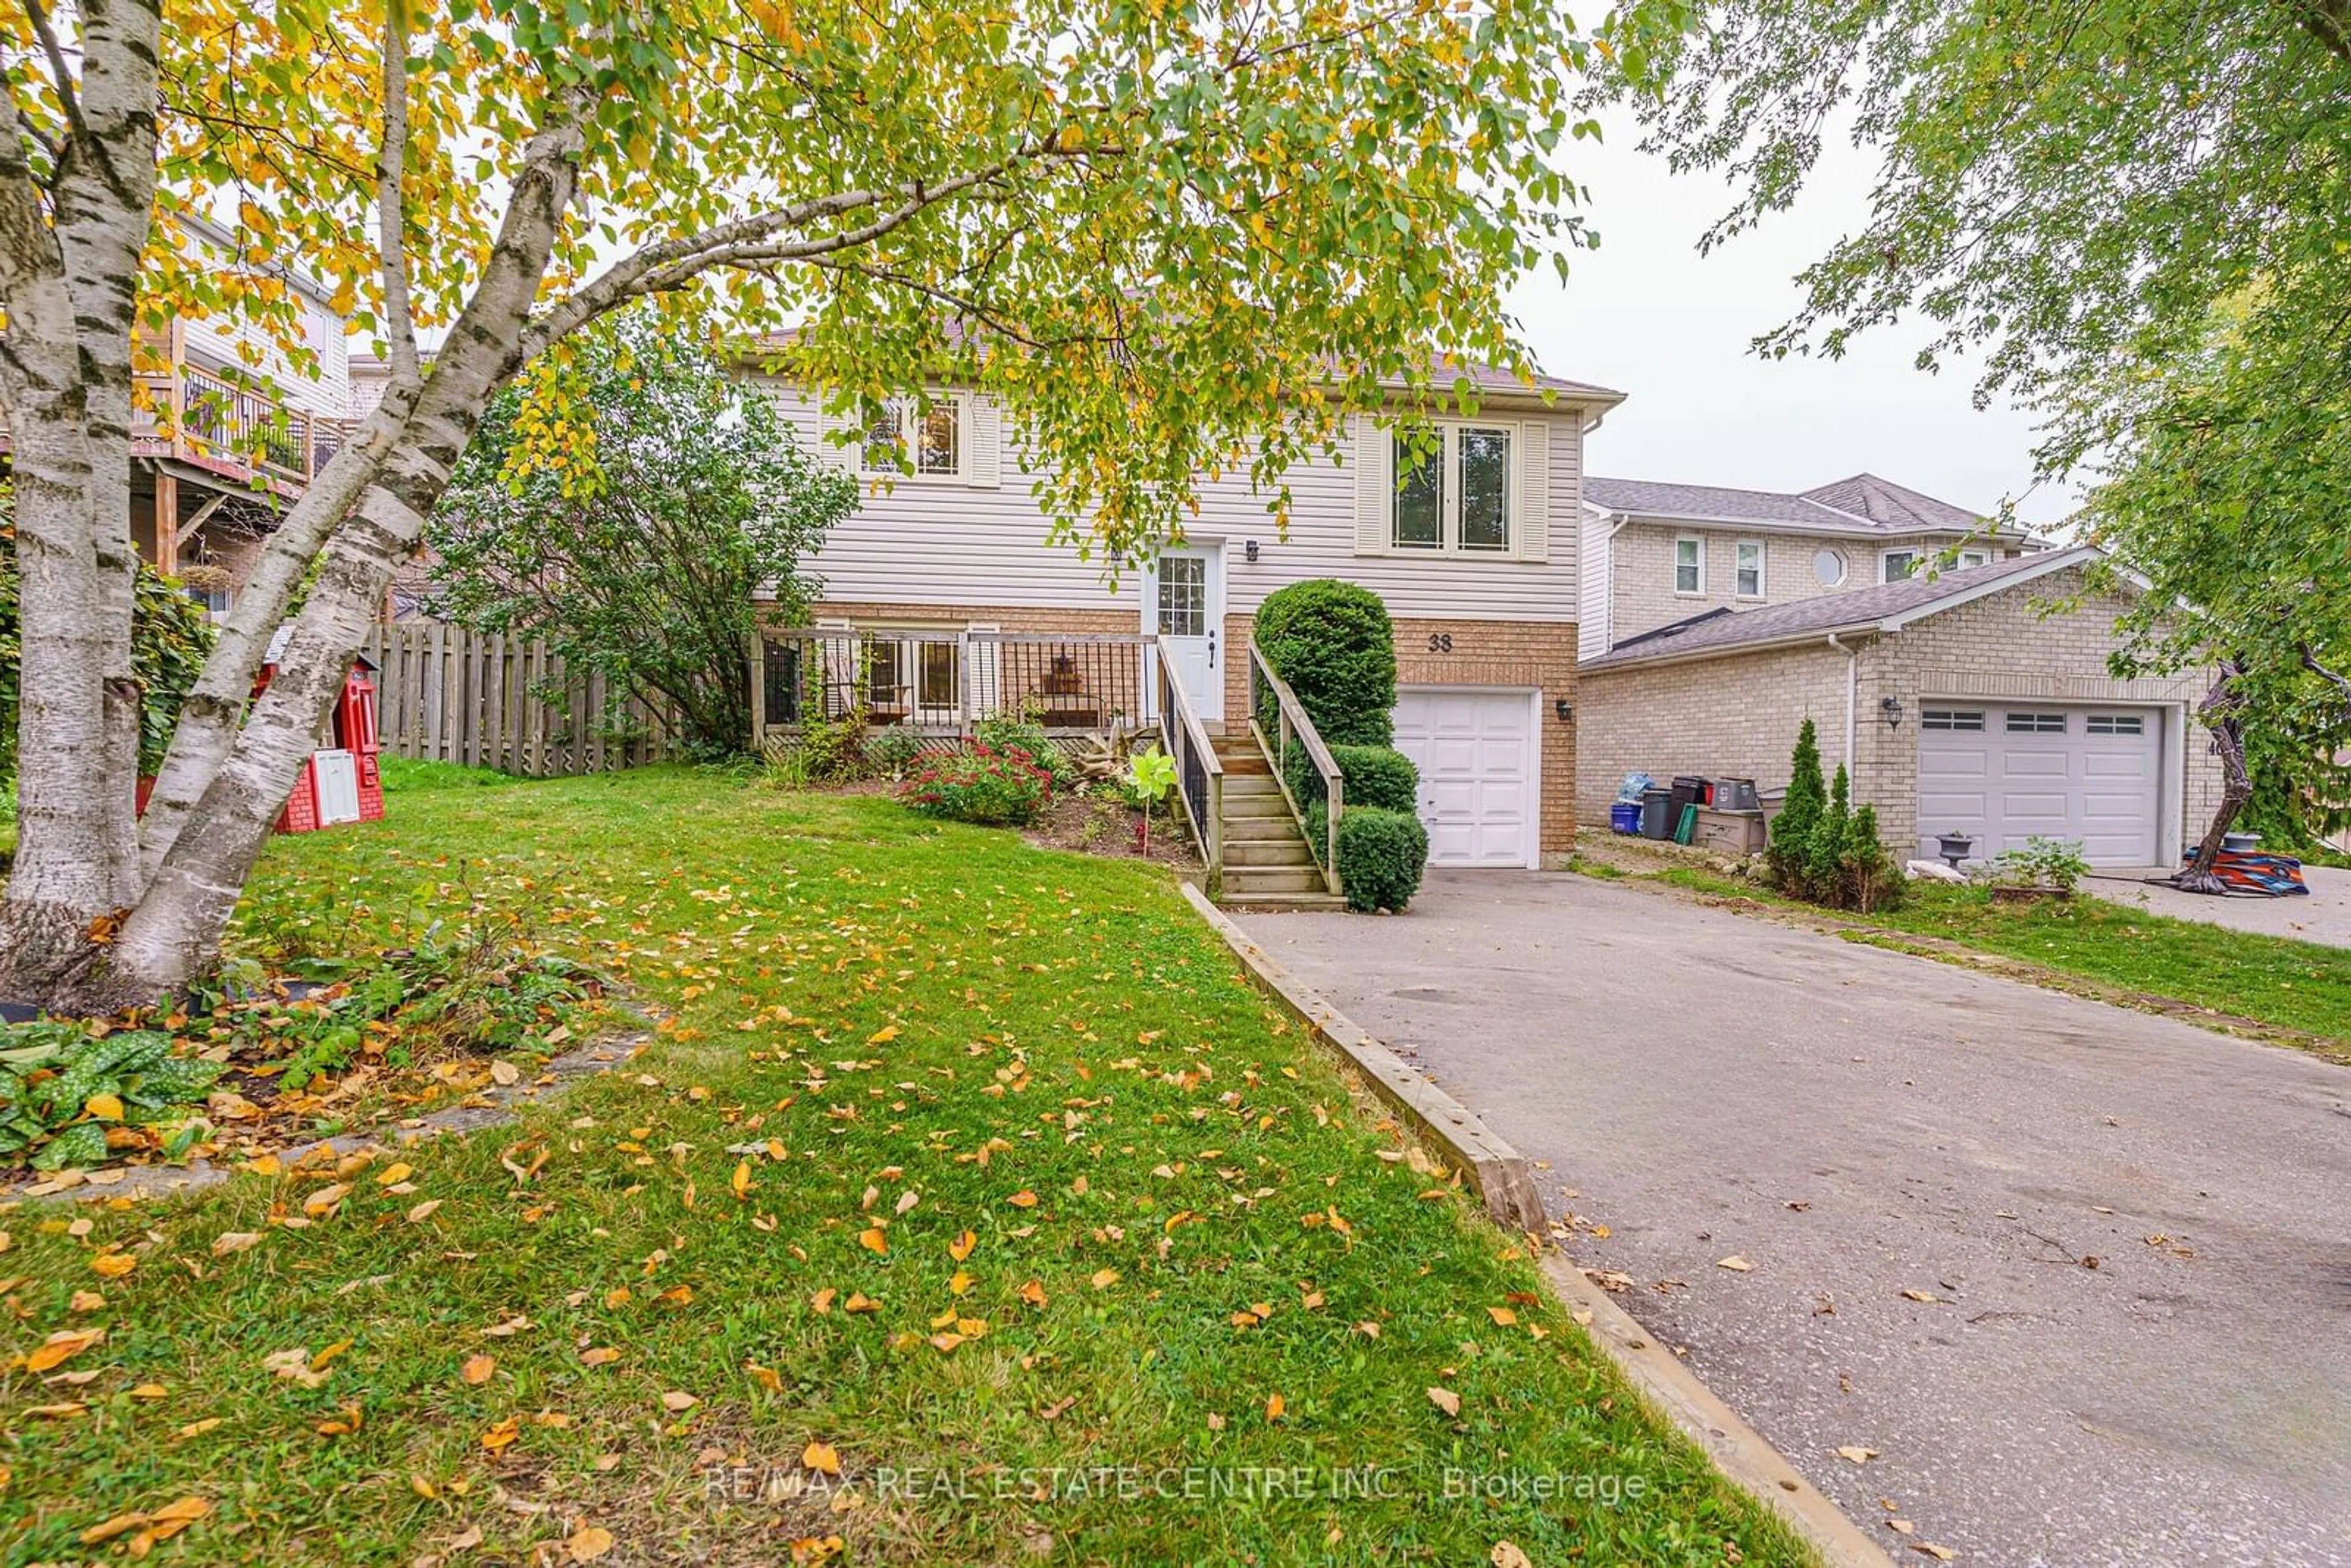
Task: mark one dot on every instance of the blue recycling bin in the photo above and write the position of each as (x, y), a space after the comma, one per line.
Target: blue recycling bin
(1624, 816)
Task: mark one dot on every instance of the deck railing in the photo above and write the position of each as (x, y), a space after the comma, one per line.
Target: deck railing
(238, 429)
(1199, 777)
(941, 683)
(1303, 766)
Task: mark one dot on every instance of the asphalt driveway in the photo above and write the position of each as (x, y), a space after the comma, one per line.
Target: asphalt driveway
(2323, 914)
(1857, 1124)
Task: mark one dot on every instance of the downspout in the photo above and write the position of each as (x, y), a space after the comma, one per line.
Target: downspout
(1852, 690)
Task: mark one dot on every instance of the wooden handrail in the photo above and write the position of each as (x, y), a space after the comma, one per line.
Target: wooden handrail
(1291, 719)
(1177, 719)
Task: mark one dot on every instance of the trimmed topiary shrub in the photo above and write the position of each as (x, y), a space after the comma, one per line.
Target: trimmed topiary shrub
(1381, 855)
(1378, 776)
(1333, 642)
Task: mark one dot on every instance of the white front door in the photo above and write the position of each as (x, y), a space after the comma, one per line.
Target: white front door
(1184, 604)
(1475, 753)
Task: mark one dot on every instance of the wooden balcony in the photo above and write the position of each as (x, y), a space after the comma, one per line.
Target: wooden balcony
(239, 432)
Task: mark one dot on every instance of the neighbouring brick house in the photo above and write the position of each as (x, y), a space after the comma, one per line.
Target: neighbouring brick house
(1977, 701)
(1475, 555)
(1658, 553)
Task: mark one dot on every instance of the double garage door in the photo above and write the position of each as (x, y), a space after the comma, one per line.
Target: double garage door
(1476, 751)
(2008, 773)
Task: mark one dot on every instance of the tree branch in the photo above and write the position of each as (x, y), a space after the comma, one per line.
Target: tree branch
(392, 238)
(2328, 21)
(57, 69)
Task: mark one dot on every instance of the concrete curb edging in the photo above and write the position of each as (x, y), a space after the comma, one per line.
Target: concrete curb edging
(1738, 1449)
(1503, 1178)
(1505, 1181)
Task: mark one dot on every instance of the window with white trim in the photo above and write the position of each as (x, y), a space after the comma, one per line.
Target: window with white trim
(1454, 494)
(2115, 723)
(908, 439)
(1895, 565)
(1951, 719)
(1690, 565)
(1974, 558)
(1747, 568)
(2036, 722)
(1828, 566)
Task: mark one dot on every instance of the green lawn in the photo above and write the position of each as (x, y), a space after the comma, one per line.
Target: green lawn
(1020, 1104)
(2300, 985)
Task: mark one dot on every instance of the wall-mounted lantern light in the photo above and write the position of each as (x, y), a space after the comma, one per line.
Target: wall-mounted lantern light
(1565, 709)
(1248, 551)
(1890, 710)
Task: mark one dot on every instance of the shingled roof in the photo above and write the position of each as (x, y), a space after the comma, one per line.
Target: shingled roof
(1864, 505)
(1883, 608)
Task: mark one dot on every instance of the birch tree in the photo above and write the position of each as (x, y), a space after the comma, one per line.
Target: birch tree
(1170, 237)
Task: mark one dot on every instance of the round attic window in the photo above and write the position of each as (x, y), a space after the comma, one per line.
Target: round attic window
(1828, 566)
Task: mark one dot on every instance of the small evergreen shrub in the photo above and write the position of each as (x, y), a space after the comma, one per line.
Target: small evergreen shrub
(1378, 776)
(982, 785)
(1333, 642)
(1381, 855)
(1822, 849)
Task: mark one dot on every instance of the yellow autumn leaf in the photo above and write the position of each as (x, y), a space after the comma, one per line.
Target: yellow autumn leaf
(1104, 1279)
(960, 1248)
(393, 1174)
(113, 1265)
(423, 1211)
(741, 1181)
(587, 1542)
(324, 1200)
(1033, 1292)
(477, 1369)
(1274, 1406)
(61, 1347)
(1503, 1317)
(821, 1303)
(883, 1035)
(766, 1377)
(820, 1458)
(872, 1241)
(104, 1107)
(1022, 1199)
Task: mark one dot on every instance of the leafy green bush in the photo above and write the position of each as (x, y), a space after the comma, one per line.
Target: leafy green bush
(1381, 855)
(61, 1087)
(981, 785)
(1378, 776)
(893, 752)
(1333, 642)
(2043, 863)
(1822, 850)
(1007, 732)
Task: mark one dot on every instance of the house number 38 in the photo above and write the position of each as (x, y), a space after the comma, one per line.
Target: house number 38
(1440, 642)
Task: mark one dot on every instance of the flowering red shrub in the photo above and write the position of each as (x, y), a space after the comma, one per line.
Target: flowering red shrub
(981, 784)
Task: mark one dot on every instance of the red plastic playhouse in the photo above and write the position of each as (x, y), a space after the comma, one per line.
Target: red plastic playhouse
(341, 781)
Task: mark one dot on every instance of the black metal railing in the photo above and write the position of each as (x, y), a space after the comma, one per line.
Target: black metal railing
(1303, 766)
(944, 682)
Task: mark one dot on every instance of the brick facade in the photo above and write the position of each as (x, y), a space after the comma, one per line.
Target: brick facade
(1520, 653)
(1641, 569)
(1737, 715)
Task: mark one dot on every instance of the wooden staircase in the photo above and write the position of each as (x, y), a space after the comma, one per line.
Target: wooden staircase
(1267, 862)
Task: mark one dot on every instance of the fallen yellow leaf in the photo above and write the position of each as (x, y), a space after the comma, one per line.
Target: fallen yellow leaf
(477, 1369)
(677, 1402)
(1274, 1408)
(960, 1248)
(104, 1107)
(324, 1200)
(820, 1458)
(588, 1544)
(232, 1241)
(1735, 1263)
(1022, 1199)
(1445, 1399)
(113, 1265)
(1104, 1279)
(765, 1376)
(61, 1347)
(872, 1241)
(392, 1173)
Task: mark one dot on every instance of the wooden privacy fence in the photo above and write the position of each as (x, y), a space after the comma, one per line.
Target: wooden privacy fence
(448, 695)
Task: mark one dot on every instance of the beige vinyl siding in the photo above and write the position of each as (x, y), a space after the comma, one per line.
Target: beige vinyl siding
(1596, 550)
(954, 543)
(236, 343)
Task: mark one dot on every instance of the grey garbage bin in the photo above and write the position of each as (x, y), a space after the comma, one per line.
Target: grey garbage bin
(1657, 812)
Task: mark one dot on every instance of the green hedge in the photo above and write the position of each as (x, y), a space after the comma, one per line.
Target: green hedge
(1333, 642)
(1378, 776)
(1381, 855)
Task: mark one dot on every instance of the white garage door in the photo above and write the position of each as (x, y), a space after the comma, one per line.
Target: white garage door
(2008, 773)
(1475, 753)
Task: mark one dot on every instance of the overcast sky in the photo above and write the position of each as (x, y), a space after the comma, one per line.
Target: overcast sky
(1646, 315)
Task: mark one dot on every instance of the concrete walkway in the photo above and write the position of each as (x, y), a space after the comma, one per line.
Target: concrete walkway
(1856, 1124)
(2324, 916)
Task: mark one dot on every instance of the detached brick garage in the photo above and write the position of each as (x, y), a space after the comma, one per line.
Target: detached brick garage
(1956, 703)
